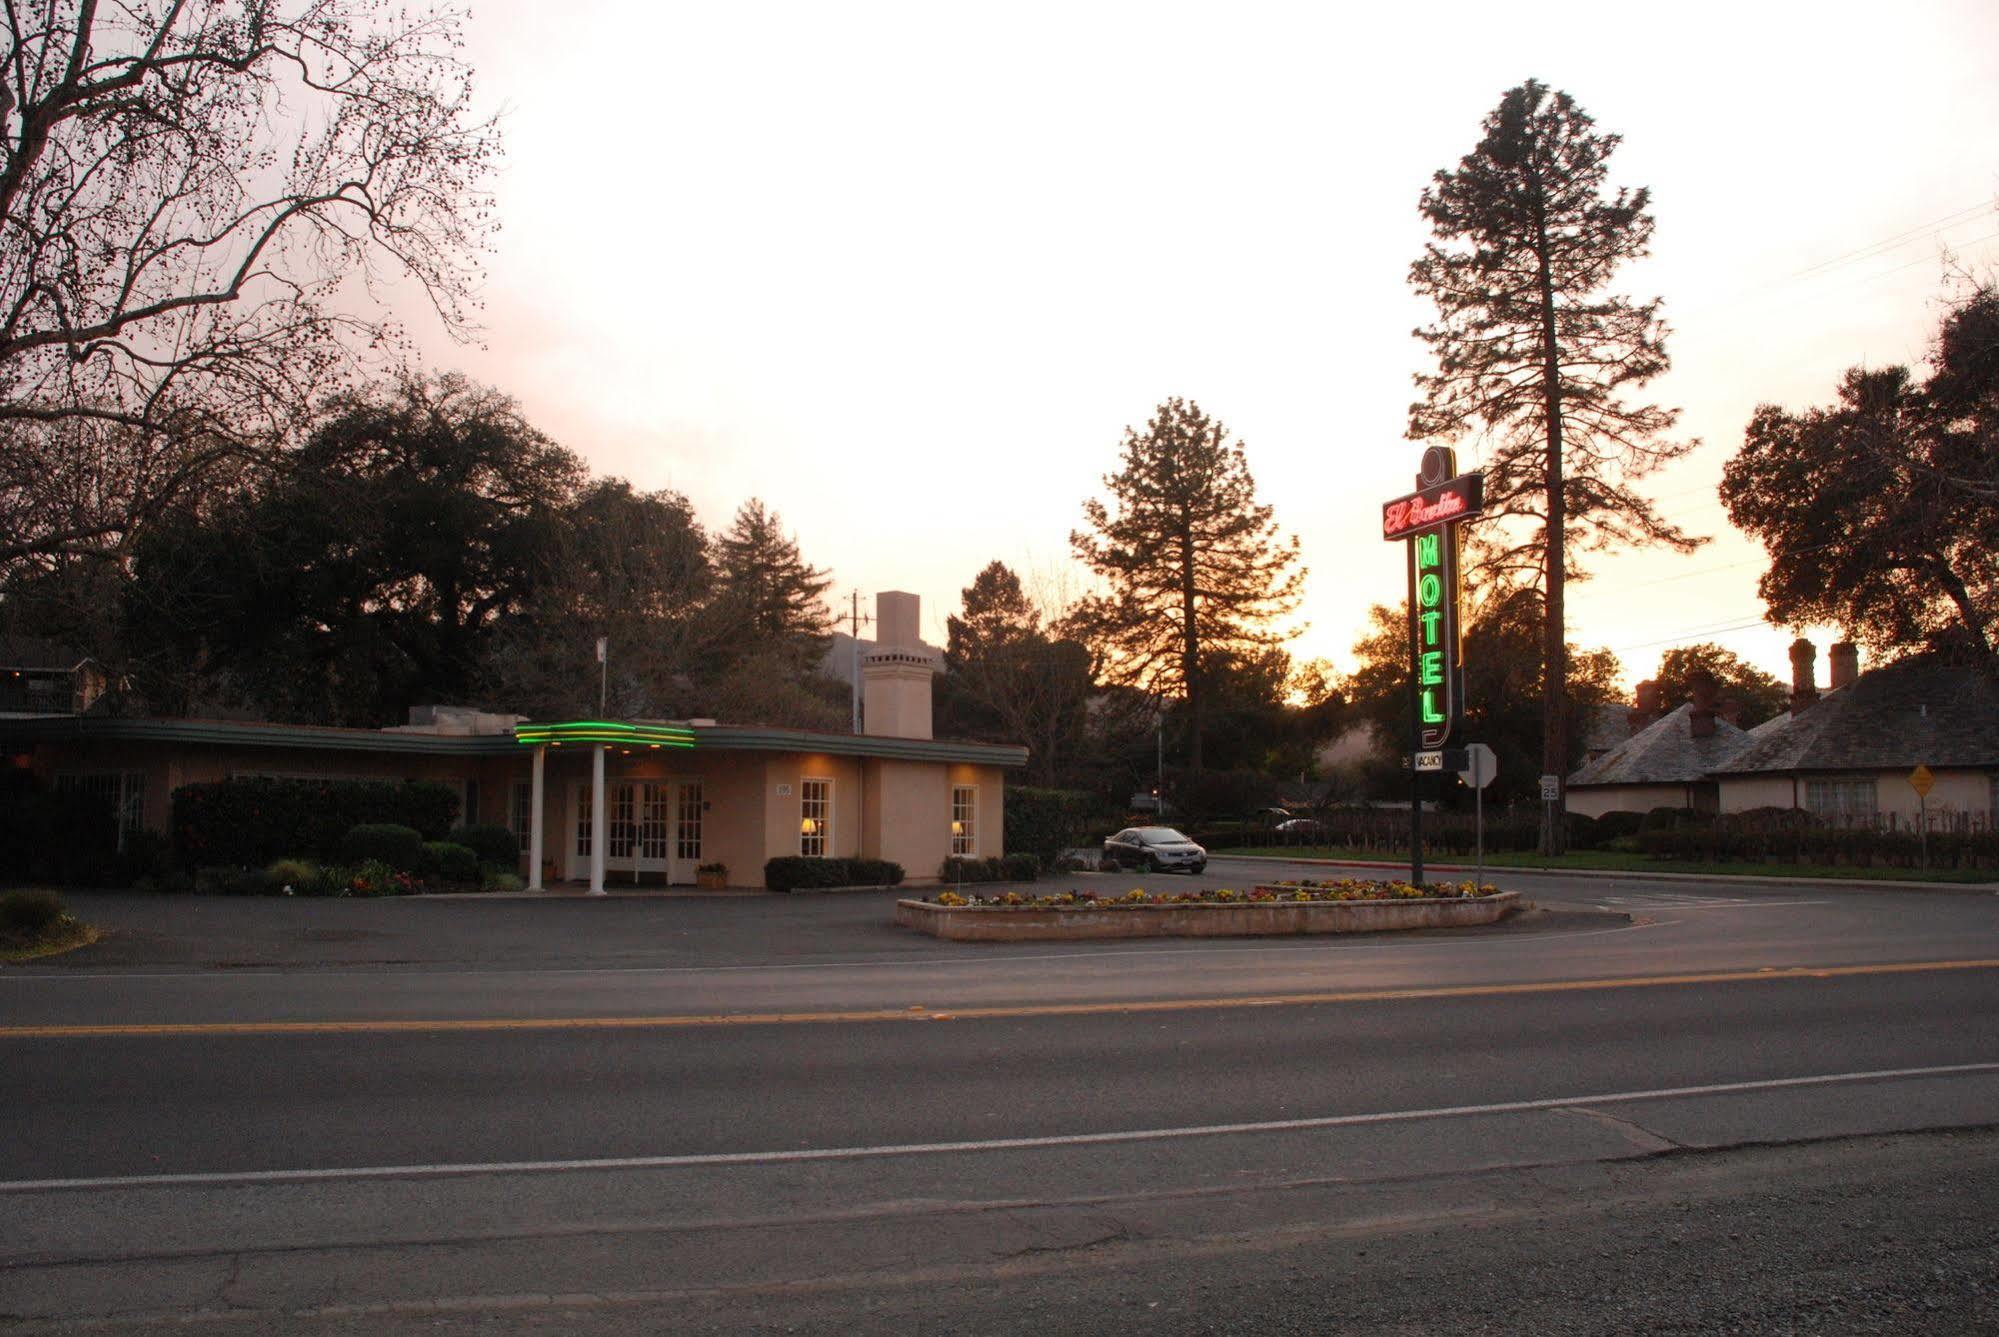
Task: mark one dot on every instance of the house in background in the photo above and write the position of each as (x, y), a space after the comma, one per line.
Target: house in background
(1847, 756)
(1844, 755)
(1666, 761)
(603, 801)
(40, 677)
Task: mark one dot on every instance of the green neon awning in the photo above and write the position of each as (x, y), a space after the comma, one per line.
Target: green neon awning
(624, 733)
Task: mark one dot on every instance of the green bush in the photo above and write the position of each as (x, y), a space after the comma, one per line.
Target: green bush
(378, 877)
(1021, 866)
(958, 868)
(1619, 824)
(500, 880)
(793, 873)
(56, 835)
(490, 844)
(232, 882)
(252, 820)
(27, 914)
(1049, 822)
(1585, 832)
(296, 874)
(450, 861)
(400, 847)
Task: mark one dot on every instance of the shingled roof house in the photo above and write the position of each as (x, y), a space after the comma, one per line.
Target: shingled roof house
(1844, 756)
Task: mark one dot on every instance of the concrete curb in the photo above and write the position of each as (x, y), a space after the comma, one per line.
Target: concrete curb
(1746, 879)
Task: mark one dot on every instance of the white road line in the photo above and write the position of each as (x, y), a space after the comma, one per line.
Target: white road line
(335, 1174)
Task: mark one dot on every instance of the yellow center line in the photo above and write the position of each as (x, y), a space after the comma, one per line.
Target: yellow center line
(693, 1020)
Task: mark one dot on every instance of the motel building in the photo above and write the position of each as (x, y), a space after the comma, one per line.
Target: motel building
(602, 803)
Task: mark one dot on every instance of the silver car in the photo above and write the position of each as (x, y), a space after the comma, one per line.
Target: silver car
(1159, 848)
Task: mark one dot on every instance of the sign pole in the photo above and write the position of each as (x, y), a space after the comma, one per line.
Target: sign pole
(1416, 741)
(1478, 806)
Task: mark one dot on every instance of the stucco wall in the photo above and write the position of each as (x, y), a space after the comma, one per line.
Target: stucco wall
(1596, 800)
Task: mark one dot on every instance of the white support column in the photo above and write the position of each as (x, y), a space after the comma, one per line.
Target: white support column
(597, 820)
(537, 801)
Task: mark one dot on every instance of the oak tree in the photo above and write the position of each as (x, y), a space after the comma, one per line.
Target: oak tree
(204, 206)
(1535, 355)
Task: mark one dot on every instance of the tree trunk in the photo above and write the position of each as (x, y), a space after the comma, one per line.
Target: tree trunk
(1190, 652)
(1554, 656)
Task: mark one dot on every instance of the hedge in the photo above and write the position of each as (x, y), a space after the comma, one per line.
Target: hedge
(450, 861)
(1020, 866)
(1048, 823)
(400, 847)
(249, 821)
(791, 873)
(491, 844)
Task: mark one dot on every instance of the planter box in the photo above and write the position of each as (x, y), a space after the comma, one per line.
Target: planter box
(712, 881)
(992, 923)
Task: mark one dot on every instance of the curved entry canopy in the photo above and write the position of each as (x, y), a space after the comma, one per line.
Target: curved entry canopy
(617, 733)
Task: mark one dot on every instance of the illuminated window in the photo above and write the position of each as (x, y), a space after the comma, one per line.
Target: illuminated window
(687, 843)
(815, 817)
(964, 819)
(1842, 802)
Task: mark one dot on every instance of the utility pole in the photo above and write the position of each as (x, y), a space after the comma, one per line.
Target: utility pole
(854, 620)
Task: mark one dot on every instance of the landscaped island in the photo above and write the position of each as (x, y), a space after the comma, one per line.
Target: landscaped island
(1343, 905)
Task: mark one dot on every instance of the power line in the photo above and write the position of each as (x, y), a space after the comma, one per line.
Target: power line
(1890, 243)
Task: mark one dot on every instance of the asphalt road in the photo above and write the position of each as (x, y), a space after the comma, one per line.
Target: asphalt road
(1649, 1104)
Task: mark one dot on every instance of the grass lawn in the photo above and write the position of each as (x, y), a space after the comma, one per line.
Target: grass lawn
(1620, 862)
(65, 933)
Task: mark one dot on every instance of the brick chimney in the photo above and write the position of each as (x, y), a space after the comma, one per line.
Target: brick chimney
(1644, 705)
(1804, 676)
(1845, 664)
(1701, 718)
(896, 674)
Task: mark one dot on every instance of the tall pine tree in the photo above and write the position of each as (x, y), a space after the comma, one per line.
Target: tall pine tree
(1533, 354)
(1196, 569)
(768, 595)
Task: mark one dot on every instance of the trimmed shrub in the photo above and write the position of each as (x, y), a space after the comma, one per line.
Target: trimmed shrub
(1049, 822)
(498, 880)
(490, 844)
(1021, 866)
(1585, 832)
(25, 914)
(1616, 825)
(794, 873)
(253, 820)
(450, 861)
(232, 882)
(55, 835)
(400, 847)
(293, 873)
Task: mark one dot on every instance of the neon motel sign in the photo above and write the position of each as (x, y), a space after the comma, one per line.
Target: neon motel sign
(1429, 521)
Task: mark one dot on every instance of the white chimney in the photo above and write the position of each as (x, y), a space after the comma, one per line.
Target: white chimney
(896, 674)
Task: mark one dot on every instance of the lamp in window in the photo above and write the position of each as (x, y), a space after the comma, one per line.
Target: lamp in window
(957, 828)
(808, 827)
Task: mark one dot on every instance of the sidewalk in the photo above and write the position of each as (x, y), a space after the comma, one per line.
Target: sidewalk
(1746, 879)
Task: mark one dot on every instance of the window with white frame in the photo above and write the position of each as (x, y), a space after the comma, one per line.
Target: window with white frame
(688, 840)
(124, 792)
(965, 819)
(582, 821)
(623, 831)
(520, 811)
(1842, 802)
(815, 817)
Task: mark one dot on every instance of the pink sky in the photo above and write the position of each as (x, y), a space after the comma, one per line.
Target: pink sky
(906, 272)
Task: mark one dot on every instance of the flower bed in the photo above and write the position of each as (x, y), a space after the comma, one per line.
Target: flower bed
(1347, 905)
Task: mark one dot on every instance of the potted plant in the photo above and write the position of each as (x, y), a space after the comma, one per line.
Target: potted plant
(712, 875)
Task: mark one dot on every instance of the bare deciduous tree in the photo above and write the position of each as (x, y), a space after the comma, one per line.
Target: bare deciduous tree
(203, 208)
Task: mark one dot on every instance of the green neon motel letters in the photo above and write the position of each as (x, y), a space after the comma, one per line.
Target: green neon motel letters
(1430, 621)
(1433, 667)
(1429, 591)
(1427, 552)
(1431, 715)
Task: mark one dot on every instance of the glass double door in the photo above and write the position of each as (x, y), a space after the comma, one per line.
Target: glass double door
(652, 828)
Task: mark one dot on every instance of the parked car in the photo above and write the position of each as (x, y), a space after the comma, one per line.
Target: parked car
(1159, 848)
(1302, 826)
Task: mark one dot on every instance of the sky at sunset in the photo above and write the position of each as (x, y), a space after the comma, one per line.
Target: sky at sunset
(906, 272)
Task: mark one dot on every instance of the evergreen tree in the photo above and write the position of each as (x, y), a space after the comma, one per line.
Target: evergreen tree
(1008, 679)
(765, 592)
(1196, 568)
(1532, 352)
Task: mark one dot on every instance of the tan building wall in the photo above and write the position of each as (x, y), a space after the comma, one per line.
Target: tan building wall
(1596, 800)
(1740, 793)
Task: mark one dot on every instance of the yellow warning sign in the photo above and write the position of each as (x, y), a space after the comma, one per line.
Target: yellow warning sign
(1921, 781)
